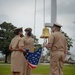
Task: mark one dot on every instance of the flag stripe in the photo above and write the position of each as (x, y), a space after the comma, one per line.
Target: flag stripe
(33, 57)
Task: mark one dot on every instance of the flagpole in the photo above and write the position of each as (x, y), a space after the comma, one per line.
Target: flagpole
(34, 16)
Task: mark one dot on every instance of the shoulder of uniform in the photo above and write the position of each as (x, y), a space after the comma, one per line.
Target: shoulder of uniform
(31, 38)
(12, 40)
(20, 38)
(23, 37)
(53, 34)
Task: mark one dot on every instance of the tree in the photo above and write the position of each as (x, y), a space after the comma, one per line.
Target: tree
(36, 44)
(6, 34)
(69, 40)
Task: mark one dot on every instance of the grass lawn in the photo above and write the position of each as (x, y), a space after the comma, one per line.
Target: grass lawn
(41, 69)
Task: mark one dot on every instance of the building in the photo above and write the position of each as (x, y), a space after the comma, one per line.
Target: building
(70, 58)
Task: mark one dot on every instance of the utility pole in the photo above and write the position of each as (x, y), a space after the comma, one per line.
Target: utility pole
(53, 13)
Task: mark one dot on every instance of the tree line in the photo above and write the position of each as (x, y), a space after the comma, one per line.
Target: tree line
(7, 33)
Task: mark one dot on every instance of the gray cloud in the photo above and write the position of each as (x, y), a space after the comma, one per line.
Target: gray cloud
(21, 14)
(66, 6)
(63, 6)
(4, 17)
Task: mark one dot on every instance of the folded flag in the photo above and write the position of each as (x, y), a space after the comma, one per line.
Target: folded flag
(33, 57)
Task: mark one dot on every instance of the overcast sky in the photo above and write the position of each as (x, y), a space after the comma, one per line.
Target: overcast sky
(21, 14)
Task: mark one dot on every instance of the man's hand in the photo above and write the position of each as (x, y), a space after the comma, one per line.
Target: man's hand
(47, 45)
(44, 44)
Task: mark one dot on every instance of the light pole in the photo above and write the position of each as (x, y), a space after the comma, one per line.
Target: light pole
(53, 13)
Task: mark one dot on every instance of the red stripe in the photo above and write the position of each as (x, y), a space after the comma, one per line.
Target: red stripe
(31, 66)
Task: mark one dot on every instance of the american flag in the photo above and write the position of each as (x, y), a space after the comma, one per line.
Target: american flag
(33, 57)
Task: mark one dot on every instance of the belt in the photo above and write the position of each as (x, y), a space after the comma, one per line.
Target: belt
(15, 50)
(57, 50)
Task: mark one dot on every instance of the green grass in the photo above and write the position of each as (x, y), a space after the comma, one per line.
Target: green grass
(41, 69)
(69, 70)
(5, 69)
